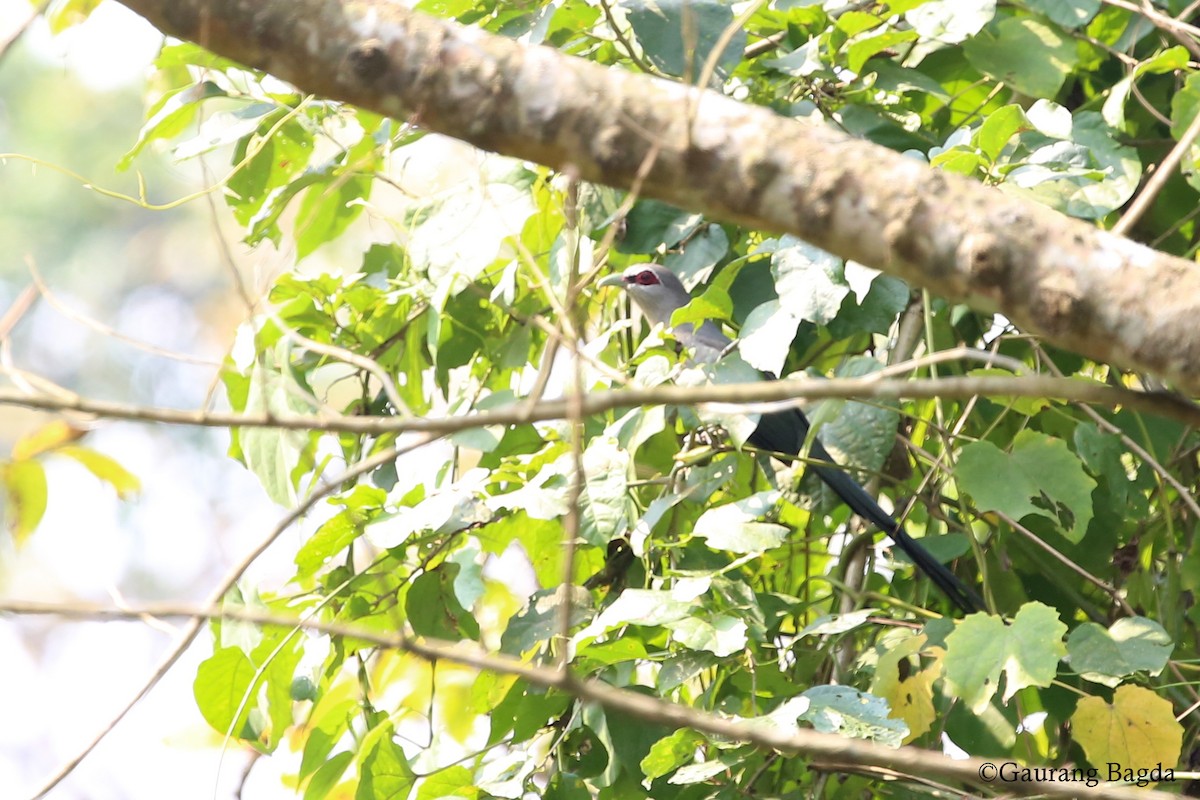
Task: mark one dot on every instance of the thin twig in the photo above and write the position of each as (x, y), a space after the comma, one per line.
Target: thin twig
(106, 330)
(1102, 585)
(571, 524)
(23, 26)
(1181, 32)
(1166, 169)
(1127, 440)
(829, 746)
(763, 396)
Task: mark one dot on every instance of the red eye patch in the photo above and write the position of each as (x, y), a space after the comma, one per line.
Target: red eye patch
(646, 278)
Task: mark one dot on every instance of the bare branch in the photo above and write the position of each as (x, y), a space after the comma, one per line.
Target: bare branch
(746, 395)
(827, 746)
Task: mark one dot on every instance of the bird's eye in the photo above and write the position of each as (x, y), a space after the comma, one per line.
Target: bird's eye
(646, 278)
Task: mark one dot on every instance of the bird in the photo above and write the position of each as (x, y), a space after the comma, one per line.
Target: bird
(658, 292)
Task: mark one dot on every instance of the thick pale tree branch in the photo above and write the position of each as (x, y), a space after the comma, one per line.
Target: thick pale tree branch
(1087, 290)
(828, 746)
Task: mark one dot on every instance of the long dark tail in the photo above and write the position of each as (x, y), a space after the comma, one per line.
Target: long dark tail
(778, 432)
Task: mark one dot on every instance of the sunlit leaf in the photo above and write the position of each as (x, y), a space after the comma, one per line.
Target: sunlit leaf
(25, 497)
(51, 436)
(106, 469)
(1137, 731)
(1131, 644)
(1026, 651)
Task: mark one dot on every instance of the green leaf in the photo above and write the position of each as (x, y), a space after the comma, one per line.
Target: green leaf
(525, 710)
(721, 635)
(852, 23)
(595, 655)
(279, 653)
(810, 282)
(650, 607)
(334, 536)
(951, 21)
(860, 50)
(1070, 14)
(1184, 104)
(1032, 57)
(1169, 60)
(999, 127)
(1027, 651)
(539, 620)
(993, 481)
(106, 469)
(682, 667)
(361, 506)
(234, 126)
(1101, 453)
(223, 692)
(171, 116)
(493, 207)
(679, 35)
(735, 526)
(713, 304)
(328, 722)
(810, 285)
(566, 786)
(327, 776)
(25, 497)
(851, 713)
(327, 210)
(450, 783)
(703, 772)
(1022, 405)
(272, 454)
(603, 504)
(694, 260)
(652, 225)
(541, 539)
(767, 336)
(1041, 476)
(264, 172)
(433, 608)
(670, 753)
(885, 297)
(584, 754)
(831, 624)
(383, 773)
(1130, 645)
(69, 13)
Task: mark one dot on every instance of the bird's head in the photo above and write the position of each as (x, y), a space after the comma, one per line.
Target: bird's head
(655, 290)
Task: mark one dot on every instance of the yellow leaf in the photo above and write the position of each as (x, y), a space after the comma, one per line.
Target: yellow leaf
(106, 469)
(1137, 731)
(911, 698)
(24, 484)
(47, 437)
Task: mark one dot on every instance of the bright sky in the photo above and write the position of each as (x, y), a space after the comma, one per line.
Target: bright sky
(88, 49)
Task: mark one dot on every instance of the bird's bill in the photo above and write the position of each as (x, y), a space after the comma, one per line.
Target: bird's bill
(616, 279)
